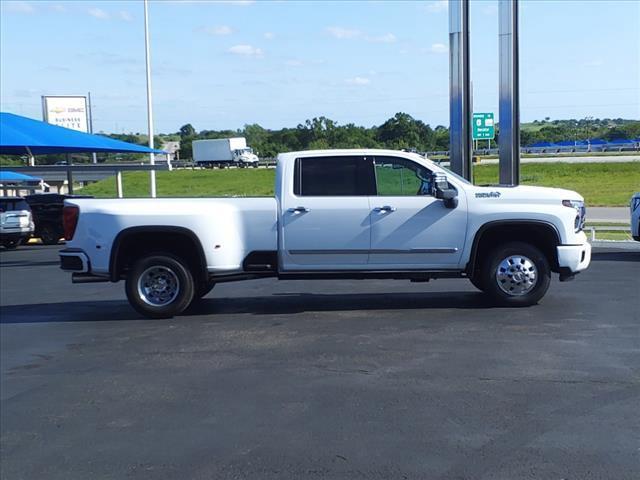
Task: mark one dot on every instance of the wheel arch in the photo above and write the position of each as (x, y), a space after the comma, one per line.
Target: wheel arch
(146, 239)
(540, 233)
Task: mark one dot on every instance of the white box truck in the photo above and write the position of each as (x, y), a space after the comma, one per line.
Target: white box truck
(223, 152)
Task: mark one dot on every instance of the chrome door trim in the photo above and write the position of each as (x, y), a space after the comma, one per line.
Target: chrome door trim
(373, 252)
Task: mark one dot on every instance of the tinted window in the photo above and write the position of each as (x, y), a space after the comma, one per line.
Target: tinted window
(7, 205)
(333, 177)
(401, 177)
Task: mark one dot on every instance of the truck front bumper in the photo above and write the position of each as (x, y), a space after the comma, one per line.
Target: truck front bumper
(573, 259)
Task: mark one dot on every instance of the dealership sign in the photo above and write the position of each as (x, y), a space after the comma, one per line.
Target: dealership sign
(66, 111)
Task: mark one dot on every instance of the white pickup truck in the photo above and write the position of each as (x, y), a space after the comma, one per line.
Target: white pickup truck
(336, 214)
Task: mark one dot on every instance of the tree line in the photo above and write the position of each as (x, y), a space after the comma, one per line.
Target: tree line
(402, 131)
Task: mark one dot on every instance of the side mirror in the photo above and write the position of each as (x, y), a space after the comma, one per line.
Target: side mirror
(442, 191)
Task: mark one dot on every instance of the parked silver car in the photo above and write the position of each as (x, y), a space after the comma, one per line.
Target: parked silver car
(16, 222)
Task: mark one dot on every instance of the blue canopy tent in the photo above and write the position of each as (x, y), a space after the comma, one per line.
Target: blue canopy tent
(6, 176)
(21, 135)
(18, 181)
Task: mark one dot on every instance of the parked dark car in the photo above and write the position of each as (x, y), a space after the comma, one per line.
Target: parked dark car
(47, 215)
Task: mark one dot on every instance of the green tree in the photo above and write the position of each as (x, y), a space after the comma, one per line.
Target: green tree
(187, 131)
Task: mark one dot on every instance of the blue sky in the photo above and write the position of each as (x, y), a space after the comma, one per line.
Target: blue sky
(224, 64)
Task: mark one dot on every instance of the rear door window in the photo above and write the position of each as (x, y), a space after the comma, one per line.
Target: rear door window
(334, 176)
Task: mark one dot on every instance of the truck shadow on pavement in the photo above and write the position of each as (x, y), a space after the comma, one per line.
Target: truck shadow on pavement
(276, 304)
(628, 256)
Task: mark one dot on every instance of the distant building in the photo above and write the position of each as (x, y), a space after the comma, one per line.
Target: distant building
(172, 149)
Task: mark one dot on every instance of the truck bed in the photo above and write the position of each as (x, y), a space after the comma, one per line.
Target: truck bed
(228, 228)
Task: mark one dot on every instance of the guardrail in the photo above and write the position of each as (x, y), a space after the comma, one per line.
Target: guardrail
(266, 163)
(603, 228)
(553, 150)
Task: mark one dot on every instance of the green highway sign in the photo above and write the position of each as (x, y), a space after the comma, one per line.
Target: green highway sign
(483, 126)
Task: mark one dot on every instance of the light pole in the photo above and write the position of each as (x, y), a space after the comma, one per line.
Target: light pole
(152, 161)
(460, 89)
(509, 101)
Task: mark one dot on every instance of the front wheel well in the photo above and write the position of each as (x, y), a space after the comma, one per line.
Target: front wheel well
(134, 243)
(542, 235)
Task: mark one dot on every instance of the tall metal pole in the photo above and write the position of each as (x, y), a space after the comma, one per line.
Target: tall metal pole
(94, 157)
(152, 173)
(460, 109)
(509, 108)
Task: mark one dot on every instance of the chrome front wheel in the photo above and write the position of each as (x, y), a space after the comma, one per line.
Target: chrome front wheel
(516, 275)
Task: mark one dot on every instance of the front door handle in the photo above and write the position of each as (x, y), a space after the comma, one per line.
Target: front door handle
(386, 208)
(298, 210)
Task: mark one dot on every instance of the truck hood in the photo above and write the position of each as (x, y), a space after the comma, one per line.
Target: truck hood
(524, 192)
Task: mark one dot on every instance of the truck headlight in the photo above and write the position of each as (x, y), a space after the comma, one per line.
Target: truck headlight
(581, 213)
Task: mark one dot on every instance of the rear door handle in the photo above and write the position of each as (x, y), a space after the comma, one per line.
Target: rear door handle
(298, 210)
(386, 208)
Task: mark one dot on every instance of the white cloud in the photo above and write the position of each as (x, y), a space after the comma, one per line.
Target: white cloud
(98, 13)
(343, 33)
(386, 38)
(18, 7)
(218, 30)
(125, 16)
(358, 81)
(269, 35)
(439, 48)
(246, 50)
(294, 63)
(437, 6)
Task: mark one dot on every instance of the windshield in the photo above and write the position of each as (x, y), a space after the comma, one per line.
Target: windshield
(458, 177)
(449, 171)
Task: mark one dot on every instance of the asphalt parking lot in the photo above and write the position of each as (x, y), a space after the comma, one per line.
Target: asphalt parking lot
(325, 379)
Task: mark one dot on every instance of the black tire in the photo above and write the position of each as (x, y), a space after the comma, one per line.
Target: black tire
(49, 236)
(12, 244)
(515, 276)
(477, 281)
(202, 288)
(172, 273)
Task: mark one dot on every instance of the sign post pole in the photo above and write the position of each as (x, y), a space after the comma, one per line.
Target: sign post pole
(152, 173)
(93, 154)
